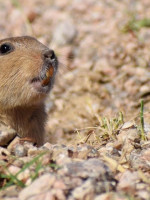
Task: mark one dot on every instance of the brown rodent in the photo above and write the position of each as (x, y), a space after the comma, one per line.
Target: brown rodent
(27, 73)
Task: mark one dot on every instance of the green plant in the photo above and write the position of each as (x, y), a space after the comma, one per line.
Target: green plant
(110, 126)
(106, 129)
(143, 137)
(135, 25)
(9, 179)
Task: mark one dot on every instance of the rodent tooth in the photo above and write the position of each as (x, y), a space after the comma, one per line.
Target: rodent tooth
(50, 72)
(47, 74)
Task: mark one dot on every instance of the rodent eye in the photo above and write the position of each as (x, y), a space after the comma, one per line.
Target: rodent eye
(5, 48)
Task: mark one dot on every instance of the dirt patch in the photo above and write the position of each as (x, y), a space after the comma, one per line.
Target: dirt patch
(94, 109)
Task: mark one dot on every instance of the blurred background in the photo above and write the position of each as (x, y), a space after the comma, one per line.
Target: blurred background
(103, 47)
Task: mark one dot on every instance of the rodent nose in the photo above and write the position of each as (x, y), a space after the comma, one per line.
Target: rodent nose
(49, 54)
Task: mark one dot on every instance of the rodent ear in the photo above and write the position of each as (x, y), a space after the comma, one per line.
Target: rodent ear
(6, 48)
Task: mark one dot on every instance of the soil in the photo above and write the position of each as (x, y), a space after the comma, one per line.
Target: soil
(95, 112)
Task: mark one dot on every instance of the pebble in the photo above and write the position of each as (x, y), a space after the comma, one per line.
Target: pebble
(6, 134)
(64, 33)
(128, 181)
(93, 168)
(85, 191)
(40, 185)
(20, 151)
(140, 159)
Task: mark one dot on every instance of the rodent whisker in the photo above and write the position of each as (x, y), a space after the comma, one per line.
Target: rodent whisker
(65, 56)
(64, 67)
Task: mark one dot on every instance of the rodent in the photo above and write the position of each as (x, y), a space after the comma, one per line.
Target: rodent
(27, 73)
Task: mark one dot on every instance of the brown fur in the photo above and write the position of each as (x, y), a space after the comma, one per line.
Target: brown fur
(21, 106)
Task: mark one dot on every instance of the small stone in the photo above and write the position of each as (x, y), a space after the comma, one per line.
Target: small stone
(143, 194)
(127, 125)
(60, 155)
(109, 146)
(85, 191)
(43, 196)
(40, 185)
(140, 159)
(11, 147)
(59, 185)
(63, 159)
(111, 196)
(11, 193)
(22, 175)
(33, 151)
(48, 145)
(10, 198)
(127, 135)
(4, 152)
(14, 169)
(43, 151)
(18, 163)
(106, 196)
(6, 135)
(93, 168)
(58, 194)
(127, 181)
(64, 33)
(86, 151)
(20, 150)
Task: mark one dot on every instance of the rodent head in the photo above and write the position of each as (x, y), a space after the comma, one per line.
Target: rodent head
(27, 71)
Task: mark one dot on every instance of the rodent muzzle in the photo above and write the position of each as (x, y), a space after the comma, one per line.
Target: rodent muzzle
(49, 67)
(47, 74)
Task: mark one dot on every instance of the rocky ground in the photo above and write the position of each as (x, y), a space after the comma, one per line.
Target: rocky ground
(97, 146)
